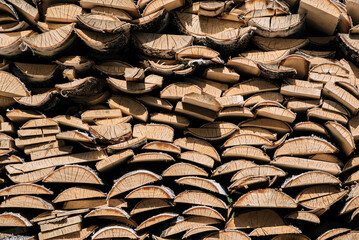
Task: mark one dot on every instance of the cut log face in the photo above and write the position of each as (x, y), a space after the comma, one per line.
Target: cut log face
(188, 223)
(13, 220)
(93, 204)
(26, 201)
(213, 131)
(311, 178)
(70, 121)
(35, 73)
(163, 147)
(310, 127)
(108, 212)
(162, 217)
(322, 114)
(266, 198)
(129, 106)
(352, 163)
(161, 45)
(205, 212)
(50, 43)
(277, 26)
(303, 216)
(114, 232)
(32, 176)
(255, 219)
(151, 191)
(102, 23)
(150, 204)
(342, 136)
(114, 160)
(157, 132)
(25, 189)
(156, 102)
(133, 180)
(246, 139)
(63, 13)
(12, 86)
(73, 174)
(177, 91)
(199, 230)
(199, 198)
(175, 120)
(305, 146)
(232, 166)
(127, 5)
(352, 178)
(112, 133)
(246, 152)
(201, 146)
(269, 124)
(272, 44)
(210, 185)
(261, 170)
(198, 158)
(184, 169)
(321, 196)
(267, 231)
(252, 86)
(307, 164)
(228, 234)
(76, 193)
(74, 135)
(130, 144)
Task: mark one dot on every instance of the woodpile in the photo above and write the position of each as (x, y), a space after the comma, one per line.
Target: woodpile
(172, 119)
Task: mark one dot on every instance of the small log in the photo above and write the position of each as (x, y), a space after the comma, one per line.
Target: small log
(151, 191)
(199, 198)
(26, 201)
(77, 193)
(184, 169)
(157, 132)
(160, 218)
(114, 232)
(149, 204)
(13, 220)
(73, 174)
(310, 178)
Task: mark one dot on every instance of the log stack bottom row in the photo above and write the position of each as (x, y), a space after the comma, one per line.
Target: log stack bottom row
(171, 119)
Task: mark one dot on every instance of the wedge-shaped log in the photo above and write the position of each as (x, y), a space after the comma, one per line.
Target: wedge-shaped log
(323, 114)
(11, 86)
(77, 193)
(342, 96)
(32, 176)
(342, 136)
(199, 198)
(102, 23)
(272, 44)
(162, 147)
(199, 230)
(188, 223)
(129, 106)
(114, 232)
(321, 196)
(352, 163)
(249, 87)
(204, 211)
(177, 91)
(228, 234)
(265, 198)
(151, 191)
(73, 174)
(63, 13)
(329, 15)
(258, 171)
(255, 219)
(278, 26)
(133, 180)
(26, 201)
(246, 152)
(51, 43)
(172, 119)
(307, 164)
(10, 219)
(310, 127)
(303, 216)
(151, 157)
(232, 166)
(267, 123)
(198, 158)
(126, 5)
(27, 10)
(112, 133)
(203, 183)
(156, 102)
(311, 178)
(70, 121)
(157, 132)
(114, 160)
(46, 227)
(149, 84)
(352, 178)
(104, 43)
(303, 146)
(160, 218)
(213, 131)
(94, 203)
(130, 144)
(150, 204)
(195, 144)
(276, 230)
(56, 161)
(161, 45)
(246, 139)
(184, 169)
(25, 189)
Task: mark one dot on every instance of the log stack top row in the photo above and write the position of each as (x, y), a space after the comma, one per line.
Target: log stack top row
(171, 119)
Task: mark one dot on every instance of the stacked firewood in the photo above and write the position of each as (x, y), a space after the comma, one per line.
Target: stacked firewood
(165, 119)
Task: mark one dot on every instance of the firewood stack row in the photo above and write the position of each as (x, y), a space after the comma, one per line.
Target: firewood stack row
(165, 119)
